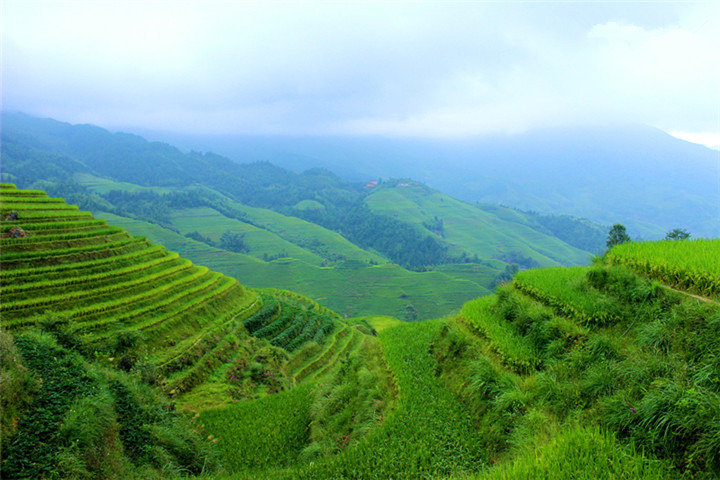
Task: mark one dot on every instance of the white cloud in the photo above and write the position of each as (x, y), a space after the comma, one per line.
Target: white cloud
(709, 139)
(393, 68)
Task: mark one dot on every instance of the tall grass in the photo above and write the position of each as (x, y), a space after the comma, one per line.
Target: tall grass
(581, 453)
(687, 264)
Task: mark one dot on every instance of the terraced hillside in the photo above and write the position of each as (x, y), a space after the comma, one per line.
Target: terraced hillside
(121, 313)
(490, 232)
(689, 265)
(102, 280)
(415, 253)
(123, 360)
(567, 369)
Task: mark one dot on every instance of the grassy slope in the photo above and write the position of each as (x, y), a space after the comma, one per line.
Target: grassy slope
(551, 370)
(379, 289)
(267, 231)
(307, 235)
(203, 347)
(119, 305)
(212, 224)
(471, 229)
(428, 434)
(565, 362)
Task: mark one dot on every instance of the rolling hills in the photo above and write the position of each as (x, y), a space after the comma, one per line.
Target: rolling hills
(121, 360)
(301, 232)
(503, 234)
(120, 325)
(631, 174)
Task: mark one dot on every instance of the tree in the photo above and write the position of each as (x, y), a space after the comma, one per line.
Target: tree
(616, 235)
(233, 242)
(677, 234)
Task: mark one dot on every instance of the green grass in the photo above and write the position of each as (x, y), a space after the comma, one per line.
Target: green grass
(261, 243)
(565, 373)
(645, 382)
(515, 350)
(581, 453)
(266, 231)
(481, 274)
(313, 238)
(688, 264)
(473, 230)
(115, 288)
(90, 267)
(373, 290)
(566, 290)
(84, 420)
(427, 434)
(257, 436)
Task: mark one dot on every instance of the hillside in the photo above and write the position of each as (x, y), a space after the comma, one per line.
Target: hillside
(269, 227)
(631, 174)
(123, 360)
(502, 233)
(104, 334)
(603, 350)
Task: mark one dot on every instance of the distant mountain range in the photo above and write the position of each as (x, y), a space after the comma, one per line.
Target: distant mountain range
(635, 175)
(393, 247)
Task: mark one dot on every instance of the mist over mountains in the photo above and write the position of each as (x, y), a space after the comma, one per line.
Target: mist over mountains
(633, 174)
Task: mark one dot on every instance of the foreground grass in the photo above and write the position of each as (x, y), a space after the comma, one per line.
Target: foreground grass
(260, 435)
(581, 454)
(429, 434)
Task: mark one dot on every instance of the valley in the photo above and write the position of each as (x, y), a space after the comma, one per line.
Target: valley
(119, 348)
(211, 319)
(300, 232)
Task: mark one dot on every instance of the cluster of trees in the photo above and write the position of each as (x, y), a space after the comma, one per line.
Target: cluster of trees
(618, 234)
(229, 240)
(573, 231)
(400, 241)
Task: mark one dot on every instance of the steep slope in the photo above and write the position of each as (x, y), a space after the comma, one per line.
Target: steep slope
(104, 334)
(472, 231)
(582, 372)
(87, 312)
(597, 352)
(101, 279)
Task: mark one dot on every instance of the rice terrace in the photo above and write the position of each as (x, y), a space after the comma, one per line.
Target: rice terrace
(345, 240)
(124, 360)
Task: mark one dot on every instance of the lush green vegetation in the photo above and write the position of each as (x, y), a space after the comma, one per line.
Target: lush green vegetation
(124, 311)
(149, 366)
(561, 351)
(384, 288)
(78, 419)
(303, 229)
(473, 231)
(686, 264)
(427, 434)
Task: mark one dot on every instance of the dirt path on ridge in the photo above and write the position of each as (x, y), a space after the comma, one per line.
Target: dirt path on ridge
(698, 297)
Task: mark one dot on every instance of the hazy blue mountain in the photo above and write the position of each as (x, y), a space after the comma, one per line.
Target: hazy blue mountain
(636, 175)
(44, 150)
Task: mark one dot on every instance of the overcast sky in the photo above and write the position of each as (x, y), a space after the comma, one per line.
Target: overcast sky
(426, 69)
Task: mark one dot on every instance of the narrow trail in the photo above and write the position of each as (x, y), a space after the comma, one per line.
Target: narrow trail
(698, 297)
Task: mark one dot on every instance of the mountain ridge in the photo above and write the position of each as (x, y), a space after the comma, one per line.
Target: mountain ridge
(631, 174)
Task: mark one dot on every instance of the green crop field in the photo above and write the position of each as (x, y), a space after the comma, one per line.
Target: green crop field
(595, 363)
(377, 289)
(260, 243)
(123, 359)
(470, 229)
(688, 264)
